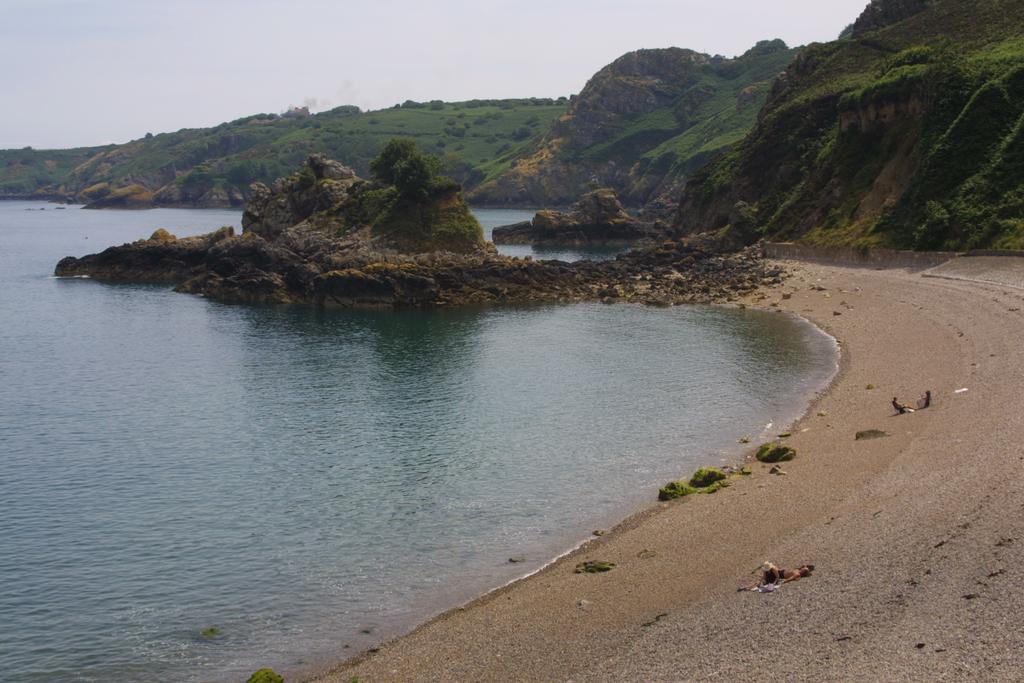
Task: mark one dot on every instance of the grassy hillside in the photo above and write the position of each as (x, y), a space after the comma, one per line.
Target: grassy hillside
(908, 133)
(642, 125)
(28, 172)
(214, 166)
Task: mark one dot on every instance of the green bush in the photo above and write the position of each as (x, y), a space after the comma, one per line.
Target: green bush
(403, 165)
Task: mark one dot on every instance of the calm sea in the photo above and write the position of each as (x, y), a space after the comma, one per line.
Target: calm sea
(299, 484)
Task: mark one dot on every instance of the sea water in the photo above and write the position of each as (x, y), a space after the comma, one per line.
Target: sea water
(190, 491)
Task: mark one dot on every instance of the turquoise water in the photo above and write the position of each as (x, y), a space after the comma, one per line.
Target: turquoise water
(309, 482)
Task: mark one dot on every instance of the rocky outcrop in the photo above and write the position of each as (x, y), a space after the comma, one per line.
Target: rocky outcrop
(641, 125)
(597, 219)
(319, 186)
(161, 258)
(132, 196)
(304, 266)
(330, 258)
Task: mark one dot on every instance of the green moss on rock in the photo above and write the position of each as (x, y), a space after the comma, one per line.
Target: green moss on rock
(675, 489)
(775, 452)
(716, 487)
(706, 476)
(265, 675)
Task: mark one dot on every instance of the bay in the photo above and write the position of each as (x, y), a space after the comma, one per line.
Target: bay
(308, 482)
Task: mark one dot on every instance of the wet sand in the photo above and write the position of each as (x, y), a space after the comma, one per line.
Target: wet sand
(918, 537)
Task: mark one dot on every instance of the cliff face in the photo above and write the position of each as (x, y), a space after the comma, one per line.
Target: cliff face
(906, 135)
(641, 125)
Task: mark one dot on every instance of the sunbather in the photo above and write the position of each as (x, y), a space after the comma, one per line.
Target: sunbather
(900, 408)
(772, 577)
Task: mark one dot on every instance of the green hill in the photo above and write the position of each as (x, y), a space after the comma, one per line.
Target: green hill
(907, 133)
(641, 126)
(214, 166)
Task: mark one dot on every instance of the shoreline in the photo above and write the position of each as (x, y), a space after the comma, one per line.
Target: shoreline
(633, 513)
(612, 625)
(739, 455)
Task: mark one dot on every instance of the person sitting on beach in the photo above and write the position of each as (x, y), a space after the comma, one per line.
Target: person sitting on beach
(900, 408)
(925, 401)
(772, 577)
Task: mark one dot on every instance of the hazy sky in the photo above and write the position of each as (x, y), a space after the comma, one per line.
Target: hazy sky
(83, 72)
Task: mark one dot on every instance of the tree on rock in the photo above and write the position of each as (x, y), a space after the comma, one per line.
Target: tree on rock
(404, 166)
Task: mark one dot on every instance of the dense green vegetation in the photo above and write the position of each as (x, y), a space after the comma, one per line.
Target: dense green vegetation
(906, 136)
(216, 165)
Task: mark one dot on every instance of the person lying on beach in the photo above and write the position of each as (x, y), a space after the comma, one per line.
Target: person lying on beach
(773, 577)
(900, 408)
(925, 401)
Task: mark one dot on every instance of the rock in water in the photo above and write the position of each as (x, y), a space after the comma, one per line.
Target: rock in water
(596, 219)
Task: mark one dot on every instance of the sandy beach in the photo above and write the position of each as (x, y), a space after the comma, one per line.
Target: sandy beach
(917, 537)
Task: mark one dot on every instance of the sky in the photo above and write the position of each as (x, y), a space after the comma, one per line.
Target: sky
(91, 72)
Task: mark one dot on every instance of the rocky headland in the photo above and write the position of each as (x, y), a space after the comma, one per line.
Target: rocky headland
(597, 219)
(642, 125)
(324, 236)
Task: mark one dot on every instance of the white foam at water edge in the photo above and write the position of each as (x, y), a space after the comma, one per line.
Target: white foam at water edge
(71, 277)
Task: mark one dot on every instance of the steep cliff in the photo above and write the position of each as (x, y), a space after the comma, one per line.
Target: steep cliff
(907, 134)
(641, 125)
